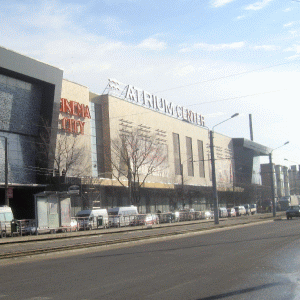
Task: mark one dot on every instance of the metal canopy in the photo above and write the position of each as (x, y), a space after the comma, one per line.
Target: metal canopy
(260, 150)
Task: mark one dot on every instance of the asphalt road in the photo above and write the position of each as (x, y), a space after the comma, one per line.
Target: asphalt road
(251, 262)
(18, 246)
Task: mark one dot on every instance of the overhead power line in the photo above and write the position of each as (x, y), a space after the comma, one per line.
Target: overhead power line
(223, 77)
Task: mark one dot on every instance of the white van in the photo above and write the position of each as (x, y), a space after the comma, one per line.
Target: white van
(92, 219)
(6, 216)
(121, 216)
(240, 211)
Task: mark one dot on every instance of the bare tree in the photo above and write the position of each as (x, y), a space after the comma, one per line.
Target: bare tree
(68, 155)
(137, 154)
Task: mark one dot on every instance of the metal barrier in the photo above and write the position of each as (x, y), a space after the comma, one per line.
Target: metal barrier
(23, 227)
(28, 226)
(180, 216)
(120, 220)
(88, 223)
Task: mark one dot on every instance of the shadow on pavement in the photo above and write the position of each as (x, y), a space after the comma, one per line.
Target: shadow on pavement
(243, 291)
(199, 246)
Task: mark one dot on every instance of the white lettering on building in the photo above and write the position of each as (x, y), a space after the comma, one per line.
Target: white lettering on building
(141, 97)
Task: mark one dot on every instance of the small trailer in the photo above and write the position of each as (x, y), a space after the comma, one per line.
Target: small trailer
(52, 212)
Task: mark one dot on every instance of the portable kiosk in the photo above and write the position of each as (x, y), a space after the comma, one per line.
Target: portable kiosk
(52, 211)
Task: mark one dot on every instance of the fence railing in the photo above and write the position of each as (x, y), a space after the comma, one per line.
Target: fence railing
(28, 226)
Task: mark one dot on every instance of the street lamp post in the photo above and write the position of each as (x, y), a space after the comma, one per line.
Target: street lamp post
(213, 170)
(272, 179)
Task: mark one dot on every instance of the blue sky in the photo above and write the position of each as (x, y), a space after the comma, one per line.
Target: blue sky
(218, 57)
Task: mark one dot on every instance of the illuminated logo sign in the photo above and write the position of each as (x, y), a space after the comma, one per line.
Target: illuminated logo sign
(143, 98)
(74, 109)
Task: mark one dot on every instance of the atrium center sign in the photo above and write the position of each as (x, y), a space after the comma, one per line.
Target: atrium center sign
(143, 98)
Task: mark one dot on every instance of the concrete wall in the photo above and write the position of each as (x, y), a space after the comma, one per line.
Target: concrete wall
(118, 113)
(82, 164)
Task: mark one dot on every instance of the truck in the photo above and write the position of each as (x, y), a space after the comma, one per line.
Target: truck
(89, 219)
(121, 216)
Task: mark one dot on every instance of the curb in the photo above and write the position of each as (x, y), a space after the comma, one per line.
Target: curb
(123, 240)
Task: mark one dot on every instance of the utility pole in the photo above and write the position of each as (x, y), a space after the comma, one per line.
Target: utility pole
(6, 170)
(129, 181)
(272, 185)
(214, 182)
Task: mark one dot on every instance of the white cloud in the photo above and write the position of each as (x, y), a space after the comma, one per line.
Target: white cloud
(153, 44)
(214, 47)
(293, 57)
(184, 71)
(294, 48)
(45, 15)
(218, 3)
(241, 17)
(258, 5)
(293, 33)
(113, 25)
(287, 9)
(288, 24)
(266, 47)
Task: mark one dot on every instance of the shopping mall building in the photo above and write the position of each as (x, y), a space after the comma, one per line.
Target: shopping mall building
(60, 134)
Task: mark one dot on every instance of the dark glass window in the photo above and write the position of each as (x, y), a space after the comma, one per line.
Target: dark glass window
(189, 153)
(177, 160)
(201, 159)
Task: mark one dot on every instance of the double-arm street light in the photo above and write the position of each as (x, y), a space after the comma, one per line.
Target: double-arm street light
(272, 178)
(213, 170)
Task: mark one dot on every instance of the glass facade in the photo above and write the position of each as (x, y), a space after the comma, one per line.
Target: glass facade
(20, 103)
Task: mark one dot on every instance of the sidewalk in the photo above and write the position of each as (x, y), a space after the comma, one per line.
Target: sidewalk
(30, 245)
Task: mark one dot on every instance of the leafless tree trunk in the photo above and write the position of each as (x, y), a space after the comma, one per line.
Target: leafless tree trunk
(136, 156)
(69, 156)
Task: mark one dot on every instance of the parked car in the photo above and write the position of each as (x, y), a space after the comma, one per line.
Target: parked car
(240, 211)
(293, 211)
(231, 212)
(208, 214)
(223, 212)
(151, 219)
(144, 219)
(74, 224)
(134, 221)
